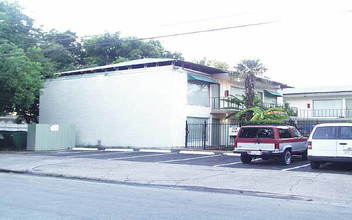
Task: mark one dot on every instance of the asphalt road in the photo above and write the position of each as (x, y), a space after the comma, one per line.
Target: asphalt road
(216, 160)
(33, 197)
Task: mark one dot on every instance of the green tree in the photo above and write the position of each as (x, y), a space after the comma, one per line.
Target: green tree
(63, 49)
(213, 63)
(249, 69)
(17, 27)
(20, 82)
(109, 48)
(22, 65)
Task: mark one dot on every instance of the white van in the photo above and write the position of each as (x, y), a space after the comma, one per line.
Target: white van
(330, 143)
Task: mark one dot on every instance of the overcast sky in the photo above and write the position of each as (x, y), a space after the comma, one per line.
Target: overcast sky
(310, 43)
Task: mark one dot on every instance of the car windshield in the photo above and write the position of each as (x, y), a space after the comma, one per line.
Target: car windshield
(257, 133)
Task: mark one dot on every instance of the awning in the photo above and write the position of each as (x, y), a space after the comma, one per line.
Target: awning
(273, 93)
(194, 77)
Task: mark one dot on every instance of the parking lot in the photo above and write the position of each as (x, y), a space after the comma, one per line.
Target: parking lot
(201, 159)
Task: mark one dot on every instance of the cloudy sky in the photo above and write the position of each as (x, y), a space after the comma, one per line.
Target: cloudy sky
(308, 43)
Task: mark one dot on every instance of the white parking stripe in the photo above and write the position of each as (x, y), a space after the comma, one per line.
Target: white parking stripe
(196, 152)
(154, 151)
(226, 164)
(95, 154)
(293, 168)
(238, 162)
(185, 159)
(149, 155)
(119, 149)
(231, 154)
(84, 148)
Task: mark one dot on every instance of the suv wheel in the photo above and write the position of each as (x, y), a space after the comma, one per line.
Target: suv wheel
(314, 165)
(245, 158)
(286, 157)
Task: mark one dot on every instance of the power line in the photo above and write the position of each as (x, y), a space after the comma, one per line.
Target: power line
(142, 39)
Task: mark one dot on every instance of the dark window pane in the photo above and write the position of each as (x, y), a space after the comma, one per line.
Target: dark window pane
(324, 133)
(284, 133)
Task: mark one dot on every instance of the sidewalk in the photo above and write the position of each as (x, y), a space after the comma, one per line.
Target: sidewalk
(314, 187)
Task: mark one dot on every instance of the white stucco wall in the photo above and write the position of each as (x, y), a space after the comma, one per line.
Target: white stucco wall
(139, 108)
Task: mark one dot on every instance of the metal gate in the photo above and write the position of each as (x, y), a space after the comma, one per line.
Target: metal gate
(210, 135)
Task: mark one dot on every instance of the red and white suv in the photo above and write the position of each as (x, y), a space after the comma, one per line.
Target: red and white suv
(270, 142)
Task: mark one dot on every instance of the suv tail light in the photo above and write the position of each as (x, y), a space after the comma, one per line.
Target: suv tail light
(235, 144)
(277, 145)
(309, 145)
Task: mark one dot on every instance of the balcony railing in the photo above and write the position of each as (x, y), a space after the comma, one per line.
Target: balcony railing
(223, 103)
(325, 113)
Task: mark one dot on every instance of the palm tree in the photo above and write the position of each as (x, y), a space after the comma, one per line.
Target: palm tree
(249, 69)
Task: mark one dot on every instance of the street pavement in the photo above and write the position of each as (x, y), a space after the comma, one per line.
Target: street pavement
(34, 197)
(214, 172)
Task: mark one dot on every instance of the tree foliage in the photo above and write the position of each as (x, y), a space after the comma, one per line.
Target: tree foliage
(213, 63)
(259, 113)
(20, 81)
(110, 48)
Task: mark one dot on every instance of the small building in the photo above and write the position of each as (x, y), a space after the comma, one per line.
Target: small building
(320, 102)
(145, 103)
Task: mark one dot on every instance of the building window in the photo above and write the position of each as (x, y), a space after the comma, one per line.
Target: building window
(198, 93)
(259, 95)
(327, 108)
(238, 92)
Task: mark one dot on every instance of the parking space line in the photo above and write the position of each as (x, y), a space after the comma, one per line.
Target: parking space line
(96, 154)
(119, 150)
(196, 152)
(233, 163)
(149, 155)
(154, 151)
(226, 164)
(231, 154)
(84, 149)
(293, 168)
(185, 159)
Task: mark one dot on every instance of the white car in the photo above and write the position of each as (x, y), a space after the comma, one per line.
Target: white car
(330, 143)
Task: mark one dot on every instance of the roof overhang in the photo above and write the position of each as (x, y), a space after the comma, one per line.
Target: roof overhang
(144, 63)
(194, 77)
(273, 93)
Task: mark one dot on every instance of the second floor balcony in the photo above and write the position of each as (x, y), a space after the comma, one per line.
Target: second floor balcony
(224, 105)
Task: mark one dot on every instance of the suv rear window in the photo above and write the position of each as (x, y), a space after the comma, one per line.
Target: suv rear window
(325, 133)
(257, 133)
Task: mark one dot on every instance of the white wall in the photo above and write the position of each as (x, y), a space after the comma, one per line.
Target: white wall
(302, 105)
(139, 108)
